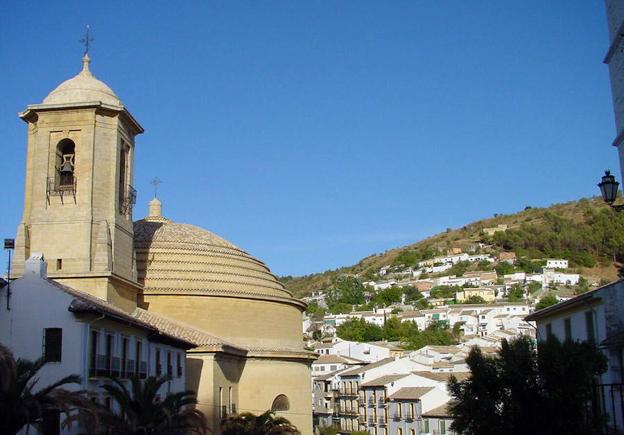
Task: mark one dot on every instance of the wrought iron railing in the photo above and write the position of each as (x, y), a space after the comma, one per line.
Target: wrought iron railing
(55, 188)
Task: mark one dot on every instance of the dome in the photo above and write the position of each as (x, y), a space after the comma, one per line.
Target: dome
(84, 87)
(174, 258)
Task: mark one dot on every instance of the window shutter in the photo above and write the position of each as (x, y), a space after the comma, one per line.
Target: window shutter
(53, 344)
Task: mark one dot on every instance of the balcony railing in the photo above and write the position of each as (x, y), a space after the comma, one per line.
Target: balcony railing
(371, 404)
(66, 189)
(105, 366)
(608, 402)
(381, 421)
(127, 199)
(371, 421)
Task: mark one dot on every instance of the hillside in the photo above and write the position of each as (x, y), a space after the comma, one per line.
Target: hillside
(585, 231)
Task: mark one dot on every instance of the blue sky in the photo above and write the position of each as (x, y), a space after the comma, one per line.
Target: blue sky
(315, 133)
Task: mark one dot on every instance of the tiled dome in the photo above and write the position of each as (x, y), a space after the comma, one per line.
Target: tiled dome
(175, 258)
(82, 88)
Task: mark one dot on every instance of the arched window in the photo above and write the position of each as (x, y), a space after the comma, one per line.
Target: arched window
(65, 160)
(280, 403)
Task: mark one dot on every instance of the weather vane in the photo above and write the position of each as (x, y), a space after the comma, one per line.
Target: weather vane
(87, 39)
(155, 182)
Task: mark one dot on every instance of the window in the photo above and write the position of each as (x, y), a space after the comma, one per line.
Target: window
(51, 424)
(157, 365)
(137, 358)
(399, 431)
(53, 343)
(567, 328)
(399, 410)
(59, 263)
(123, 171)
(169, 365)
(65, 153)
(412, 432)
(442, 425)
(124, 357)
(108, 355)
(179, 364)
(280, 403)
(548, 330)
(93, 348)
(426, 425)
(589, 325)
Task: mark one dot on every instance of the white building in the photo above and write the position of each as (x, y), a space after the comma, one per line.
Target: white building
(80, 334)
(556, 263)
(597, 316)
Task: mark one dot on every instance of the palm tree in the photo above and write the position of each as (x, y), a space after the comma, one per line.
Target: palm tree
(20, 405)
(263, 424)
(143, 413)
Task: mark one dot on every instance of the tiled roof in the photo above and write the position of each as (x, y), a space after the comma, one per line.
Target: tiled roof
(410, 393)
(443, 377)
(85, 302)
(367, 367)
(330, 359)
(383, 380)
(440, 411)
(190, 336)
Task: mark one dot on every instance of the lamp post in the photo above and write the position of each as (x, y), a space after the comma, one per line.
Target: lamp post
(9, 244)
(608, 189)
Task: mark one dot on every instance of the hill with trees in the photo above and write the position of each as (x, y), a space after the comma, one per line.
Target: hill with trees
(586, 232)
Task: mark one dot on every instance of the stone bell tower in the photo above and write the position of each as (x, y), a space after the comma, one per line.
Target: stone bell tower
(78, 194)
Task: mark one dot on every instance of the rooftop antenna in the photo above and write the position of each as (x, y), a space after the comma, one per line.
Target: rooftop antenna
(87, 39)
(155, 182)
(9, 244)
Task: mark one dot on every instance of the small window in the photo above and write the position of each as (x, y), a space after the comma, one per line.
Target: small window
(138, 357)
(280, 403)
(567, 327)
(548, 330)
(157, 362)
(589, 325)
(51, 422)
(108, 355)
(442, 425)
(179, 364)
(124, 357)
(59, 263)
(53, 343)
(169, 365)
(93, 352)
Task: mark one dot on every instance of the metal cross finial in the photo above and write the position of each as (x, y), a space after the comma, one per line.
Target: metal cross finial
(155, 182)
(87, 39)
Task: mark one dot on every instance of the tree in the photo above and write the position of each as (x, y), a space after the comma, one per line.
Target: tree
(264, 424)
(524, 389)
(411, 293)
(533, 287)
(516, 293)
(546, 301)
(475, 300)
(21, 404)
(387, 296)
(444, 291)
(142, 412)
(359, 330)
(345, 290)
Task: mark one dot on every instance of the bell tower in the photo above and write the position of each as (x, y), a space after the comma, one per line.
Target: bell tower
(78, 194)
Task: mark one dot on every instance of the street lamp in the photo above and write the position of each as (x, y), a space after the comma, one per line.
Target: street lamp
(608, 190)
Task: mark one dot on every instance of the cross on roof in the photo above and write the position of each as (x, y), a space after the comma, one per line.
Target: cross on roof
(155, 182)
(87, 39)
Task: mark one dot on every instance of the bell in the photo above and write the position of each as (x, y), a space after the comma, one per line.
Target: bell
(67, 167)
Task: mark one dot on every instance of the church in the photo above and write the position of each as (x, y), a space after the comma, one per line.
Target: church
(242, 328)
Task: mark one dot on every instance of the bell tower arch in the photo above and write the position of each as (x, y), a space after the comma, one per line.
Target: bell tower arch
(78, 193)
